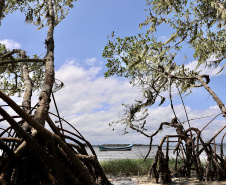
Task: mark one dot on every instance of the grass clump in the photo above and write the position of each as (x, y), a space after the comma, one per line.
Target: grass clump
(138, 167)
(134, 166)
(127, 166)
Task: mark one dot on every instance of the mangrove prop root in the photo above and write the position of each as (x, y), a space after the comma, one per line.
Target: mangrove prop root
(214, 169)
(44, 157)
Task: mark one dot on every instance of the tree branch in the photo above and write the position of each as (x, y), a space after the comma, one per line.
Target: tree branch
(40, 152)
(9, 55)
(21, 60)
(83, 172)
(2, 4)
(184, 77)
(215, 97)
(13, 139)
(6, 149)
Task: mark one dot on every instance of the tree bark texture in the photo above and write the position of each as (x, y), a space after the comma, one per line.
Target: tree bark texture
(44, 98)
(45, 157)
(26, 104)
(2, 4)
(213, 94)
(214, 169)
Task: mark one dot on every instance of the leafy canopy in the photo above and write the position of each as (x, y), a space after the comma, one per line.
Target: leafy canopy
(36, 11)
(200, 23)
(152, 65)
(11, 74)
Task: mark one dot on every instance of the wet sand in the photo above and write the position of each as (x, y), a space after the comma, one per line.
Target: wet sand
(145, 180)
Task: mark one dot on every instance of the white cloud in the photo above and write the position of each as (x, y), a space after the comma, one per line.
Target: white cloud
(214, 107)
(211, 71)
(91, 61)
(86, 92)
(10, 44)
(90, 103)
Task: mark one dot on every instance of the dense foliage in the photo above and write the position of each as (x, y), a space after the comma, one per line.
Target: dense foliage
(153, 65)
(36, 12)
(11, 72)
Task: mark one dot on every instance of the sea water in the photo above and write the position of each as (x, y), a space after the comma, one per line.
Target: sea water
(139, 152)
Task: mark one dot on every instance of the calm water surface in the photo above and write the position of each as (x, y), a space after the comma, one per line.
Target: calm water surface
(137, 152)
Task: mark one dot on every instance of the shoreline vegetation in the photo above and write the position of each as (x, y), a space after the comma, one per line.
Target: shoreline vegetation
(129, 167)
(136, 171)
(126, 167)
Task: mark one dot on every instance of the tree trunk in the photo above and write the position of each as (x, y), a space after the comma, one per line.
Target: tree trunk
(44, 98)
(44, 157)
(2, 4)
(26, 104)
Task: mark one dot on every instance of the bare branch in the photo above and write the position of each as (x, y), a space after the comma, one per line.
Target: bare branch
(9, 55)
(21, 60)
(7, 149)
(215, 97)
(11, 139)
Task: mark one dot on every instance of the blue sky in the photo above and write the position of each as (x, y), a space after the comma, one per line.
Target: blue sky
(88, 100)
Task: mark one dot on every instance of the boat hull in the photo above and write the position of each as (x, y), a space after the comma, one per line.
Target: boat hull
(126, 148)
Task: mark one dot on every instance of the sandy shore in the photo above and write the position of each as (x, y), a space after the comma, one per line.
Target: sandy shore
(144, 180)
